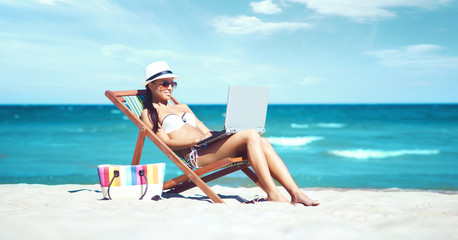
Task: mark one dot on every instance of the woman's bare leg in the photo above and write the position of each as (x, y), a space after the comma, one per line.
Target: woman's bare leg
(283, 176)
(251, 142)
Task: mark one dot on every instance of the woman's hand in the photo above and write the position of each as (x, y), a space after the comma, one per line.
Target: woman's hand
(205, 136)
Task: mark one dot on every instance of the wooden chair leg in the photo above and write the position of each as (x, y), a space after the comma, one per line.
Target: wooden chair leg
(206, 189)
(188, 185)
(139, 147)
(200, 171)
(252, 176)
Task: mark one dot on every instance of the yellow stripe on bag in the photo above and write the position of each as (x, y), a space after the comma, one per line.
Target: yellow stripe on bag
(156, 174)
(149, 172)
(110, 174)
(116, 181)
(152, 173)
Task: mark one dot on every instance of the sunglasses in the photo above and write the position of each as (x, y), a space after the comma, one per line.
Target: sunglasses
(166, 84)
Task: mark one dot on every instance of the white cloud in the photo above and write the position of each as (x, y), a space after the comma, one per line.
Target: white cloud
(420, 56)
(98, 17)
(241, 25)
(137, 56)
(311, 81)
(265, 7)
(52, 2)
(366, 10)
(35, 4)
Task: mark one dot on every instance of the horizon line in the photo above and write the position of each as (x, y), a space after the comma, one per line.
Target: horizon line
(310, 103)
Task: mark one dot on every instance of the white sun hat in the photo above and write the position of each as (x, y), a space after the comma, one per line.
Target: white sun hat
(158, 70)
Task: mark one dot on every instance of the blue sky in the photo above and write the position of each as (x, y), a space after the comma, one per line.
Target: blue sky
(307, 51)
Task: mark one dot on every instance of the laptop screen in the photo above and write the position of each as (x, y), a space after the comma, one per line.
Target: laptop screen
(246, 107)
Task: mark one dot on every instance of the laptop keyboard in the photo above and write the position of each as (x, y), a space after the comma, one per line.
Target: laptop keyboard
(215, 134)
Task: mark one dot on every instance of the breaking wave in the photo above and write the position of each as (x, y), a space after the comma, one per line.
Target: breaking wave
(317, 125)
(115, 111)
(369, 153)
(292, 141)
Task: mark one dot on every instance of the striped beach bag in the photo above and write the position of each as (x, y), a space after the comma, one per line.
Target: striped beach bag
(131, 181)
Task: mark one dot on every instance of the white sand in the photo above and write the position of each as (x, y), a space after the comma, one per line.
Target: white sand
(54, 212)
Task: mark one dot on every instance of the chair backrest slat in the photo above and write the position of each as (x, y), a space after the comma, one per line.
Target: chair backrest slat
(135, 103)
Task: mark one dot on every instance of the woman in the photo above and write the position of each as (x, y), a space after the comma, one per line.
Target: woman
(180, 129)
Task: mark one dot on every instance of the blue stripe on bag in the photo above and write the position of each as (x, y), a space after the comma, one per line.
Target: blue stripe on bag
(127, 176)
(133, 172)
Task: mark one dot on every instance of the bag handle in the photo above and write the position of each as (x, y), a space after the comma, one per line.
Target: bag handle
(115, 175)
(141, 172)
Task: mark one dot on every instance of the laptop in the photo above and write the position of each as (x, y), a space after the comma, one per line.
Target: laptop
(246, 109)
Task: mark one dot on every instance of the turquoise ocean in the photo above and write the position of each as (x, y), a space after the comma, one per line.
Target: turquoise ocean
(344, 146)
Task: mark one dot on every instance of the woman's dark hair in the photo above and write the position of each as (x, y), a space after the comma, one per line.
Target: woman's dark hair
(148, 104)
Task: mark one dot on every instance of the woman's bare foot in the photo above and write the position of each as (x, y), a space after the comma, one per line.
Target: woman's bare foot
(303, 199)
(277, 198)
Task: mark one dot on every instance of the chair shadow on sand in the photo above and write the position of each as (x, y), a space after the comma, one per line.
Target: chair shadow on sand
(200, 197)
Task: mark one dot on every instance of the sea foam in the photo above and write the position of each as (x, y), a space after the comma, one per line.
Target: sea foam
(317, 125)
(293, 141)
(370, 153)
(115, 111)
(296, 125)
(330, 125)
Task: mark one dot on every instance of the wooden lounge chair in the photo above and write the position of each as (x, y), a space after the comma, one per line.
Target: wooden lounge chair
(131, 104)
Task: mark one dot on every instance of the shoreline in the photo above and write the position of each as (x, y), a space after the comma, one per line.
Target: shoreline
(75, 211)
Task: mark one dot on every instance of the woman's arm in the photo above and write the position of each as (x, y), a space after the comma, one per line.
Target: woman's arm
(145, 118)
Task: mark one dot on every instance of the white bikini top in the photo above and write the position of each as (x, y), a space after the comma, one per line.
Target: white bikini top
(173, 122)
